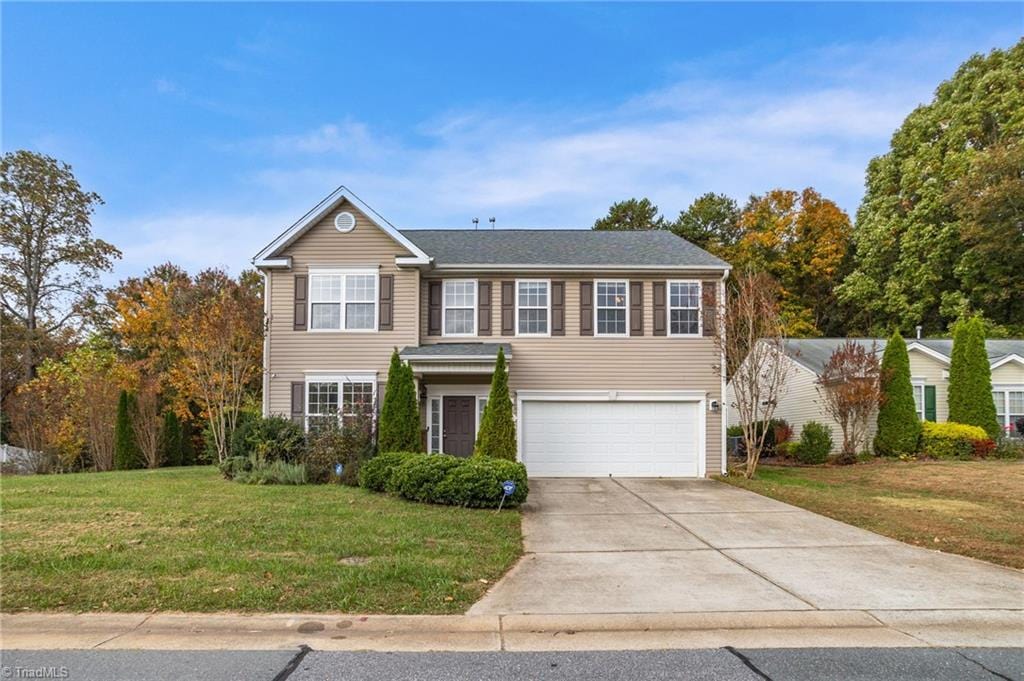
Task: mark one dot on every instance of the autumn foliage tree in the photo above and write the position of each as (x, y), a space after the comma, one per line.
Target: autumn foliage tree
(750, 335)
(850, 389)
(221, 342)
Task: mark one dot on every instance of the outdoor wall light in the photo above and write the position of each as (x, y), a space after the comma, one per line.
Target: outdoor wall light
(715, 407)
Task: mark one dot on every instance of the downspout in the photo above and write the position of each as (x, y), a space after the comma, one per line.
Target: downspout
(266, 343)
(724, 408)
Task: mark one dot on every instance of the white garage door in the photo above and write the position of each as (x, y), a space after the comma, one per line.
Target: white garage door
(629, 439)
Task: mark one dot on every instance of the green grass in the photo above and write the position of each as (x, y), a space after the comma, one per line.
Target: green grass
(974, 508)
(185, 539)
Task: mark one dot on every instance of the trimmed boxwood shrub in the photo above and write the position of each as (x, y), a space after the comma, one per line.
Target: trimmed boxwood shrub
(815, 443)
(477, 482)
(417, 478)
(951, 440)
(375, 473)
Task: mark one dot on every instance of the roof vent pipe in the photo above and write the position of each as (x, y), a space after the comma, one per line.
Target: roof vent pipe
(918, 332)
(476, 223)
(491, 220)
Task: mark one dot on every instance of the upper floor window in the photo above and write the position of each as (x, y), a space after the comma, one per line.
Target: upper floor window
(684, 308)
(459, 309)
(343, 300)
(611, 306)
(533, 308)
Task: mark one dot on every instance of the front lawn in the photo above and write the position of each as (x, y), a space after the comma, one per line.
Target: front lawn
(185, 539)
(974, 508)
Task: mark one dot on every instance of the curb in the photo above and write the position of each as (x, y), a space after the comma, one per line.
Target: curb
(462, 633)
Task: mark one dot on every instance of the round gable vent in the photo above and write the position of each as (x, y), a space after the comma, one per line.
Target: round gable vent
(344, 222)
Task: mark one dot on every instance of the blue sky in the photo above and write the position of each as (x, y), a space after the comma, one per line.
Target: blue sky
(208, 128)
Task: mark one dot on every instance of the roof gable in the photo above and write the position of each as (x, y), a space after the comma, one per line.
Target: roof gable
(271, 256)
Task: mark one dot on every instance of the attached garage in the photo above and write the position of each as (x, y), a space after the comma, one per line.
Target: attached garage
(601, 433)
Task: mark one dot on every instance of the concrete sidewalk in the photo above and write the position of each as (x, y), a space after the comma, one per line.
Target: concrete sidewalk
(789, 629)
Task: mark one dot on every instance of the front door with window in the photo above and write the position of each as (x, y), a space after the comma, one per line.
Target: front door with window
(459, 425)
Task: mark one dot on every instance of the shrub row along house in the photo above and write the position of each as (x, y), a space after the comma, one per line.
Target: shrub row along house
(800, 401)
(613, 368)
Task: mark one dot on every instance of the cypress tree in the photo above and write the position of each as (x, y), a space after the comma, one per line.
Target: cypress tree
(970, 379)
(126, 449)
(497, 436)
(899, 429)
(170, 441)
(188, 447)
(399, 428)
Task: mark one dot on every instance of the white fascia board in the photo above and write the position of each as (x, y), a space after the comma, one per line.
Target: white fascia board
(469, 267)
(1008, 358)
(318, 212)
(270, 263)
(928, 351)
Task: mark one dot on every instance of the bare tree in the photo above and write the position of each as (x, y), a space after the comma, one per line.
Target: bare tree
(750, 335)
(49, 261)
(147, 420)
(851, 392)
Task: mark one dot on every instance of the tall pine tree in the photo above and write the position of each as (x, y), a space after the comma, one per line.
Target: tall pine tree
(898, 426)
(497, 436)
(970, 379)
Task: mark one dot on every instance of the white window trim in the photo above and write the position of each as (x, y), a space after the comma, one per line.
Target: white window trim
(916, 383)
(476, 308)
(342, 272)
(1006, 389)
(598, 334)
(546, 282)
(439, 392)
(349, 377)
(700, 308)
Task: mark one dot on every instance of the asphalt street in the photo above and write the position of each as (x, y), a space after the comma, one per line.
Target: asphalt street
(722, 664)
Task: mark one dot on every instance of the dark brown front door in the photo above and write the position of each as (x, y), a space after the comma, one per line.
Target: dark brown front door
(459, 425)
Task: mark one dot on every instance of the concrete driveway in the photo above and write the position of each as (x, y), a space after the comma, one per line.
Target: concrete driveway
(627, 545)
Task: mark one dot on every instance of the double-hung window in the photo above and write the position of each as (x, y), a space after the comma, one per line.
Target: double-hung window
(684, 308)
(611, 305)
(459, 309)
(338, 398)
(919, 399)
(343, 300)
(533, 308)
(1010, 409)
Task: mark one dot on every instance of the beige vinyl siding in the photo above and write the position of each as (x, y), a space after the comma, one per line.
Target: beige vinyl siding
(574, 362)
(1011, 373)
(292, 353)
(924, 367)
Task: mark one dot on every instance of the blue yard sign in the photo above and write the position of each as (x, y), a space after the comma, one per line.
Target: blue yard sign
(508, 488)
(339, 469)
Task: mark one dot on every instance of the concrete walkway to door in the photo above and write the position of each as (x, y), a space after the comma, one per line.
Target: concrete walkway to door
(627, 545)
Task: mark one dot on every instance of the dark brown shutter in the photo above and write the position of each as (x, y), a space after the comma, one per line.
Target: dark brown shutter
(433, 308)
(298, 401)
(301, 297)
(658, 292)
(387, 302)
(558, 308)
(484, 308)
(508, 308)
(709, 306)
(636, 308)
(586, 308)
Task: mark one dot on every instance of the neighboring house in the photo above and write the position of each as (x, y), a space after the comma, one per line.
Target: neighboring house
(612, 363)
(929, 376)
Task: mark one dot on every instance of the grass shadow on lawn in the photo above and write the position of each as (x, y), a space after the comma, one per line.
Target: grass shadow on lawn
(186, 539)
(973, 508)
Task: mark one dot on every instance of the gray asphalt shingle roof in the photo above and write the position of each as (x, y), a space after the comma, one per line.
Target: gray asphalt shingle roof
(482, 350)
(560, 247)
(814, 353)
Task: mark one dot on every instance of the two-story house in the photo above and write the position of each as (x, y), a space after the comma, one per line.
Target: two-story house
(608, 335)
